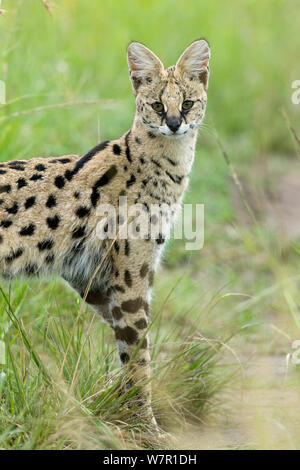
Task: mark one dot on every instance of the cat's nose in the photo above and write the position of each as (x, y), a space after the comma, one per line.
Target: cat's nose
(174, 122)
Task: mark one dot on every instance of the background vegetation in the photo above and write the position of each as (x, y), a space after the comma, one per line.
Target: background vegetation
(225, 317)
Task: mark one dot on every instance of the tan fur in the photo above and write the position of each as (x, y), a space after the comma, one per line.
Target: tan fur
(56, 232)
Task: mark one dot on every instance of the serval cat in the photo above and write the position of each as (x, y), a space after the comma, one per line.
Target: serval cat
(50, 207)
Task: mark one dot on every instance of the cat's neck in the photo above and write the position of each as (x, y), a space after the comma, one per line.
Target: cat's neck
(180, 150)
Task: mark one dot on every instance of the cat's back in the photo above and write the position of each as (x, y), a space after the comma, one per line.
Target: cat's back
(48, 207)
(35, 208)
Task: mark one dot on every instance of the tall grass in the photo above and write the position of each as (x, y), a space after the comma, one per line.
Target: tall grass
(85, 406)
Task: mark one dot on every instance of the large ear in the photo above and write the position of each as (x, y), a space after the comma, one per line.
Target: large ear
(195, 61)
(142, 63)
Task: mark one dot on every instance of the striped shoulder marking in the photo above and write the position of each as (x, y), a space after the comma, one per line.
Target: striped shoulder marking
(85, 159)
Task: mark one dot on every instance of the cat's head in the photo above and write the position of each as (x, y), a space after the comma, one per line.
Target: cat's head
(171, 101)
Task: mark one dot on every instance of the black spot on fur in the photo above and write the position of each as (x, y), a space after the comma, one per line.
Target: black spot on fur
(127, 248)
(170, 160)
(60, 160)
(124, 357)
(31, 269)
(144, 269)
(51, 201)
(117, 149)
(141, 362)
(151, 135)
(59, 182)
(131, 181)
(15, 254)
(95, 196)
(29, 202)
(141, 324)
(45, 245)
(127, 278)
(117, 313)
(127, 152)
(68, 175)
(132, 306)
(17, 162)
(49, 258)
(104, 180)
(21, 183)
(40, 167)
(156, 163)
(176, 179)
(27, 230)
(5, 188)
(16, 167)
(82, 212)
(127, 334)
(36, 177)
(120, 219)
(53, 222)
(6, 223)
(96, 297)
(160, 240)
(78, 232)
(13, 209)
(107, 177)
(145, 207)
(119, 288)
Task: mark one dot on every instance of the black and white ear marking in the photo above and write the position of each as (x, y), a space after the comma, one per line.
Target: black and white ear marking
(195, 61)
(142, 63)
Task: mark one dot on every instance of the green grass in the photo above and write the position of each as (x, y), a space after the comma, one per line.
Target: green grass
(56, 376)
(237, 297)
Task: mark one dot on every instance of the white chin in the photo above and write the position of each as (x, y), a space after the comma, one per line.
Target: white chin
(171, 135)
(174, 136)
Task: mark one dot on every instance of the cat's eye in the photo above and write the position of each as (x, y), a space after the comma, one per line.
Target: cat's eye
(187, 105)
(158, 107)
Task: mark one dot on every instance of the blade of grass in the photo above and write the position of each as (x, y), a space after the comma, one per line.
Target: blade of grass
(292, 131)
(48, 107)
(27, 343)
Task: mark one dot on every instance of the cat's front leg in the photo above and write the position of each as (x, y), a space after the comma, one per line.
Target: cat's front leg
(130, 315)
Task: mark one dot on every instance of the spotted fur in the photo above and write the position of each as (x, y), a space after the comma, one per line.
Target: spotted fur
(48, 206)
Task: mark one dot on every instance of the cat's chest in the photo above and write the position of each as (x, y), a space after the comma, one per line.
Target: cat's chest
(166, 176)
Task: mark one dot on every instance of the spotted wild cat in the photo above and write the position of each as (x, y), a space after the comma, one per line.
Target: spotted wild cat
(49, 206)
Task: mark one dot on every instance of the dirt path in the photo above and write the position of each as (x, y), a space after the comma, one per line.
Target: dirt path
(263, 409)
(261, 414)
